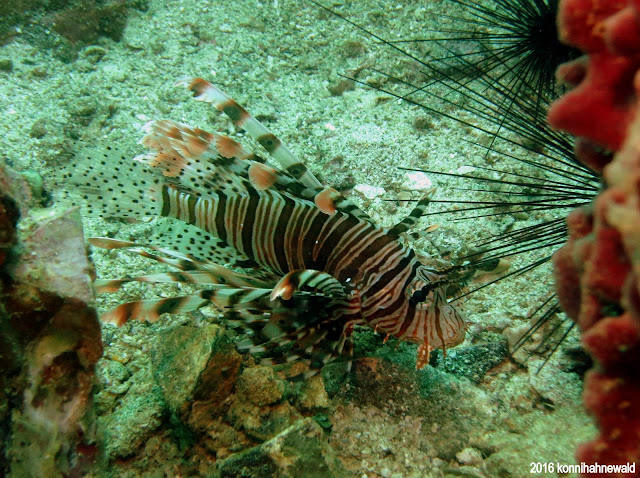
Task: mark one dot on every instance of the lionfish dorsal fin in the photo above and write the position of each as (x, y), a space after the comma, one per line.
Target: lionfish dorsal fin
(262, 176)
(205, 91)
(326, 200)
(290, 164)
(190, 159)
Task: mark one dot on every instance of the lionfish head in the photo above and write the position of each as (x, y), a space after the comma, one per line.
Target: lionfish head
(437, 322)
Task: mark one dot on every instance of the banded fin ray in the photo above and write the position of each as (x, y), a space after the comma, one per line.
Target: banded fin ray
(328, 285)
(204, 91)
(150, 310)
(227, 277)
(412, 218)
(179, 260)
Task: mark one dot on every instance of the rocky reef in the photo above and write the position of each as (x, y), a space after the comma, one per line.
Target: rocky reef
(50, 337)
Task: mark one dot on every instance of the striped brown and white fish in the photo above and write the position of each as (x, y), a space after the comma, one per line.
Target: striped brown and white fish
(314, 264)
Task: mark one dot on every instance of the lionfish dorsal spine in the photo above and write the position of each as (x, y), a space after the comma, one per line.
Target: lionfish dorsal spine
(290, 164)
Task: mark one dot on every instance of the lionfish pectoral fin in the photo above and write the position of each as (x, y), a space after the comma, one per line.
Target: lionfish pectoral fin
(151, 309)
(222, 296)
(491, 268)
(323, 283)
(170, 257)
(319, 345)
(311, 328)
(424, 354)
(221, 276)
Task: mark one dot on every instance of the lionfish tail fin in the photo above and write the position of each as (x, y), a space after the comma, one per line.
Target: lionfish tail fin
(98, 180)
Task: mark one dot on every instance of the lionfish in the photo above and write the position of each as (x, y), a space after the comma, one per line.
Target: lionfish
(314, 264)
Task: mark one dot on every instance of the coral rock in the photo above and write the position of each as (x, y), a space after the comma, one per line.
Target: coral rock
(194, 363)
(49, 336)
(299, 451)
(260, 386)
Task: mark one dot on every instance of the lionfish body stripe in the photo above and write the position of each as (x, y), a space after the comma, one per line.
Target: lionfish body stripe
(316, 264)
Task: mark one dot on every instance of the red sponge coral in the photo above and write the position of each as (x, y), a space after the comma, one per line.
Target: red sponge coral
(597, 270)
(600, 107)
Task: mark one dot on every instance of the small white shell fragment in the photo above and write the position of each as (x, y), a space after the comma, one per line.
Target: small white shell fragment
(370, 192)
(469, 456)
(465, 169)
(417, 181)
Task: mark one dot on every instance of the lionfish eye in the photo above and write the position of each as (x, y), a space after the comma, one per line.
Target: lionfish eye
(418, 296)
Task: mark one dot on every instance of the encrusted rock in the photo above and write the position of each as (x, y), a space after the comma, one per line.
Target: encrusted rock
(313, 396)
(260, 386)
(262, 423)
(299, 451)
(140, 413)
(475, 361)
(49, 338)
(469, 456)
(56, 261)
(194, 363)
